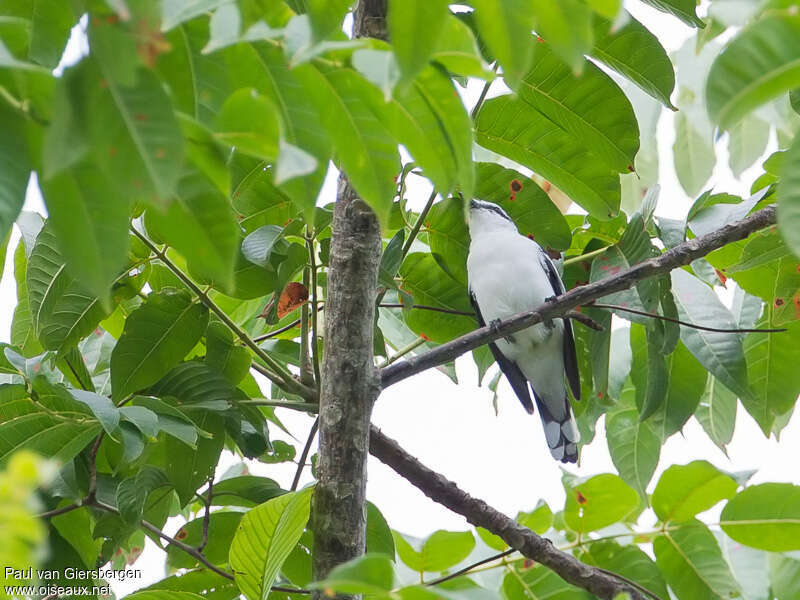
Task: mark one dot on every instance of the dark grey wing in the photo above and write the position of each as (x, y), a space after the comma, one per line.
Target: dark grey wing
(570, 356)
(509, 368)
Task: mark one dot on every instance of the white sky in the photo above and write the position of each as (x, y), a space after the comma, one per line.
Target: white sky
(453, 429)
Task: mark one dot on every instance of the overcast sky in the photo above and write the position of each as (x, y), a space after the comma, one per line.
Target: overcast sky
(453, 429)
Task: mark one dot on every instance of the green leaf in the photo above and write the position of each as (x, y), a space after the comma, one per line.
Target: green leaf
(326, 16)
(648, 370)
(449, 238)
(633, 444)
(685, 10)
(683, 491)
(720, 353)
(458, 52)
(62, 313)
(379, 535)
(200, 224)
(15, 172)
(368, 574)
(527, 204)
(196, 385)
(223, 355)
(590, 107)
(746, 143)
(539, 582)
(429, 285)
(789, 198)
(428, 117)
(102, 408)
(765, 516)
(690, 560)
(759, 64)
(415, 27)
(92, 231)
(784, 575)
(249, 121)
(772, 361)
(717, 412)
(170, 420)
(265, 538)
(598, 502)
(540, 519)
(514, 129)
(222, 526)
(687, 380)
(133, 491)
(189, 468)
(693, 154)
(134, 134)
(164, 595)
(156, 337)
(175, 12)
(391, 259)
(365, 150)
(32, 426)
(567, 27)
(506, 27)
(628, 561)
(440, 551)
(635, 53)
(76, 528)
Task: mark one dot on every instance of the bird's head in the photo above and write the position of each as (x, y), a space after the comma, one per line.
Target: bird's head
(486, 217)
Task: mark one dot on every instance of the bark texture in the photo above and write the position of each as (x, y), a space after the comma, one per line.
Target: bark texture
(350, 382)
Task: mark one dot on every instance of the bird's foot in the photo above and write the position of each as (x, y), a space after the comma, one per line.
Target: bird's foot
(494, 325)
(549, 322)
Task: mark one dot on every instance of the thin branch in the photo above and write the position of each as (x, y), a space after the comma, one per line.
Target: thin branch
(314, 312)
(412, 235)
(585, 319)
(306, 375)
(193, 552)
(680, 255)
(93, 468)
(403, 351)
(283, 329)
(469, 568)
(309, 407)
(275, 370)
(641, 588)
(448, 311)
(304, 454)
(59, 511)
(684, 323)
(480, 514)
(474, 112)
(207, 516)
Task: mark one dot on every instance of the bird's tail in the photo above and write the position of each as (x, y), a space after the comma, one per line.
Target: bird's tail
(561, 434)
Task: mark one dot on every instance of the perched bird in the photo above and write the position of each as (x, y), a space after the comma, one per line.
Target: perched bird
(509, 273)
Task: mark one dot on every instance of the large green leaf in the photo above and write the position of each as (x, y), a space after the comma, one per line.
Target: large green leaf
(567, 27)
(62, 313)
(765, 516)
(633, 444)
(539, 582)
(747, 141)
(156, 337)
(772, 360)
(91, 228)
(784, 575)
(760, 63)
(506, 27)
(200, 224)
(429, 285)
(529, 206)
(685, 10)
(598, 502)
(513, 128)
(789, 198)
(590, 107)
(458, 52)
(628, 561)
(364, 148)
(48, 24)
(33, 426)
(249, 122)
(440, 551)
(189, 468)
(717, 412)
(133, 491)
(429, 119)
(720, 353)
(222, 527)
(635, 53)
(368, 574)
(415, 28)
(693, 155)
(326, 16)
(449, 238)
(265, 538)
(692, 563)
(16, 169)
(134, 133)
(687, 380)
(683, 491)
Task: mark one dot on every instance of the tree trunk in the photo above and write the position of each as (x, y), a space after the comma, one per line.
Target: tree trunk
(350, 382)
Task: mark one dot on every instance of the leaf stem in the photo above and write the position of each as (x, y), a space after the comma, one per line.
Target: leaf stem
(309, 407)
(304, 455)
(275, 371)
(412, 235)
(403, 351)
(584, 257)
(314, 312)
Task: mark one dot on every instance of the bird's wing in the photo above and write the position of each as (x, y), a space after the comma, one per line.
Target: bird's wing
(509, 368)
(570, 356)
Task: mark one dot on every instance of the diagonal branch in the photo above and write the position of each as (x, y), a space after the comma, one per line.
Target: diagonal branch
(602, 584)
(680, 255)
